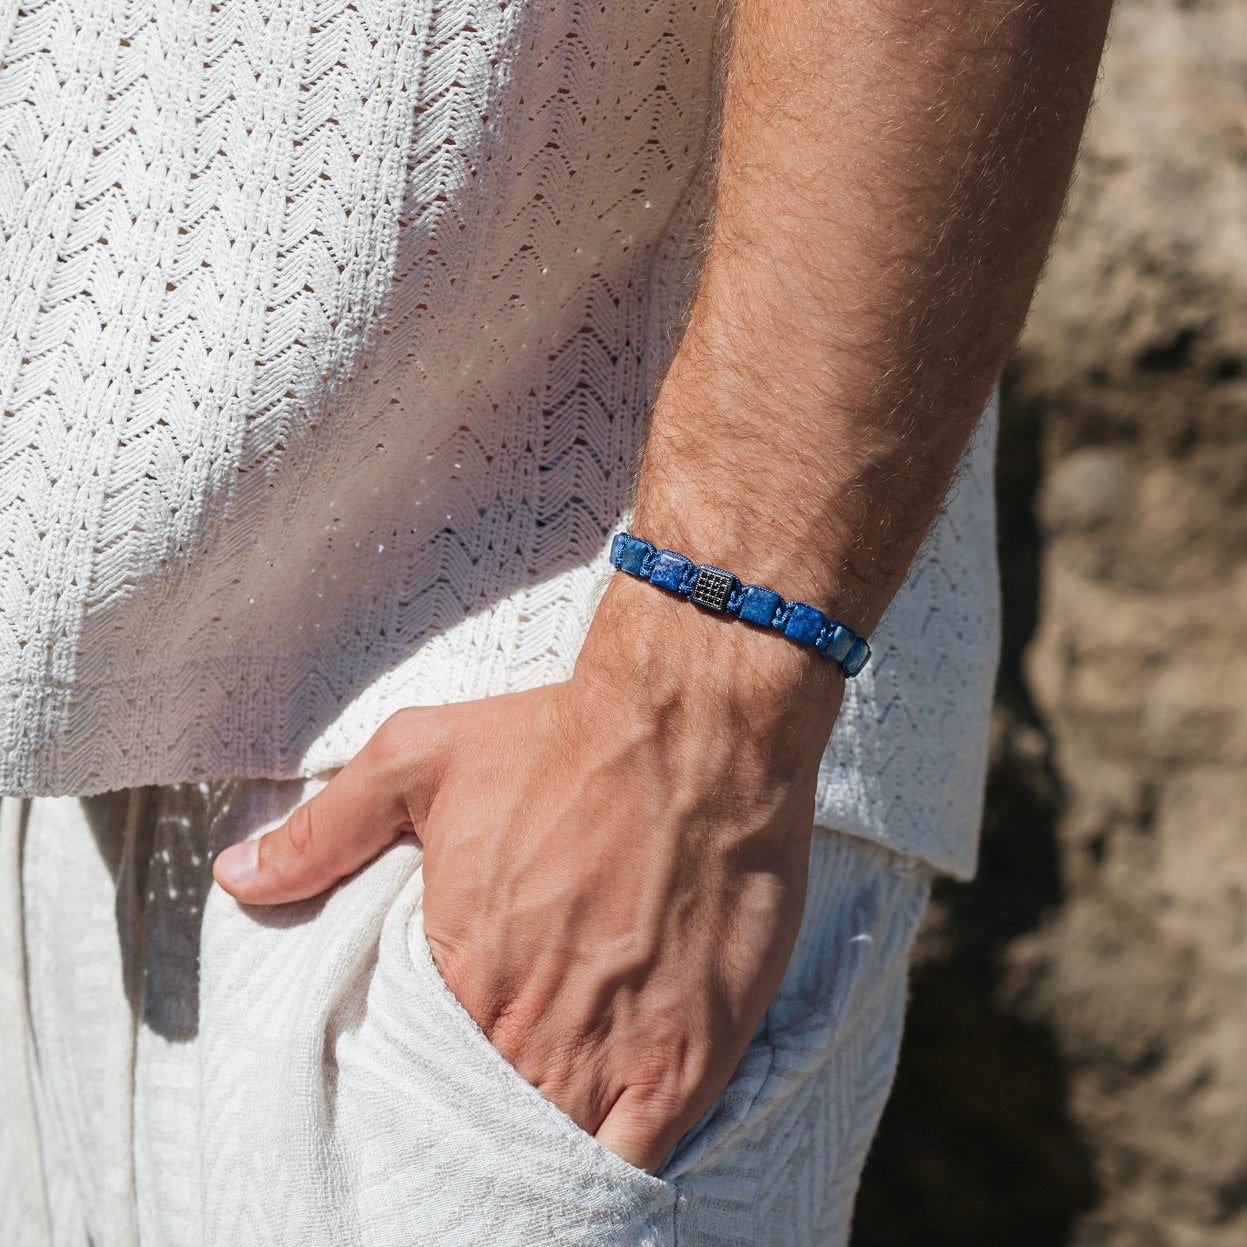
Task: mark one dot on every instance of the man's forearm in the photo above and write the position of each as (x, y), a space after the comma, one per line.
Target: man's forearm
(890, 175)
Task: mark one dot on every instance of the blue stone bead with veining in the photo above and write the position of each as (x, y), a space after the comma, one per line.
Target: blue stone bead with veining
(632, 556)
(670, 570)
(758, 605)
(804, 623)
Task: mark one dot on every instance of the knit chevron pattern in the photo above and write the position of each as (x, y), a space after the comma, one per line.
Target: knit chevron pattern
(330, 331)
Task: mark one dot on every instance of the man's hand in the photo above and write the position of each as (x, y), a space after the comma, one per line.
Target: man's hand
(614, 866)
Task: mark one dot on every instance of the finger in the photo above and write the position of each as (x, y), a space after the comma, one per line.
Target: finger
(365, 807)
(631, 1130)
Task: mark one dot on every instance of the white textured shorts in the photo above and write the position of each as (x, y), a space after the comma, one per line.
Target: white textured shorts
(180, 1071)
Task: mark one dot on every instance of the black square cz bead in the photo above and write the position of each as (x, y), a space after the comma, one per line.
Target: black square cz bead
(711, 588)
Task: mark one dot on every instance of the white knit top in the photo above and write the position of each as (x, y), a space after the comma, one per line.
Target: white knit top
(328, 333)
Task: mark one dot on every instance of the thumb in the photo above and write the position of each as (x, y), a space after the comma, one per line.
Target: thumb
(378, 796)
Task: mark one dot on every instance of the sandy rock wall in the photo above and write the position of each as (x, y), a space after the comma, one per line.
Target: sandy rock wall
(1076, 1065)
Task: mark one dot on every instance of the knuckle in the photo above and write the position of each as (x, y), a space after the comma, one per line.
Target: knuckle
(392, 742)
(404, 747)
(658, 1067)
(445, 961)
(453, 962)
(667, 1085)
(514, 1022)
(480, 998)
(658, 1103)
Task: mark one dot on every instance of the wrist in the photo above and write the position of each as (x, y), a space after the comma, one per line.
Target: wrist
(666, 659)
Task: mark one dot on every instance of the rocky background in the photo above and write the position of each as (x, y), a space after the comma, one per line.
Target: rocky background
(1075, 1068)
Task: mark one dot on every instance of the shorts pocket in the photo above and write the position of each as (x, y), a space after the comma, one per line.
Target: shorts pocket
(777, 1158)
(457, 1146)
(509, 1082)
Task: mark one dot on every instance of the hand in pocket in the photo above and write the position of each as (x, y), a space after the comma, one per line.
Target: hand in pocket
(614, 868)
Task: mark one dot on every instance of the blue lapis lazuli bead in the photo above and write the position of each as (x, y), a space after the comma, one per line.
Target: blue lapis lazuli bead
(856, 658)
(804, 623)
(758, 605)
(632, 555)
(838, 644)
(670, 570)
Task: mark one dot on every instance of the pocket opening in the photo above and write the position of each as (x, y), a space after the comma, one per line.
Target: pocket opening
(520, 1092)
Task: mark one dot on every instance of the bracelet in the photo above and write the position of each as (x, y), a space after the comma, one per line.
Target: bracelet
(720, 591)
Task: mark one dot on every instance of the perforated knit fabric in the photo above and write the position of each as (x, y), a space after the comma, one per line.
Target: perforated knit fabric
(330, 331)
